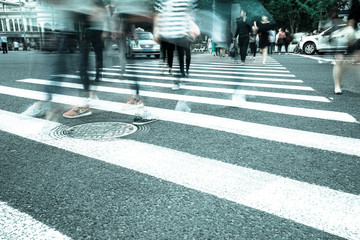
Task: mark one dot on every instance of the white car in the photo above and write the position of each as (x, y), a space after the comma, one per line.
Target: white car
(322, 43)
(146, 45)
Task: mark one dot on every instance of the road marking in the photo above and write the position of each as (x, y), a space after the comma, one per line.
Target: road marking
(208, 69)
(214, 101)
(295, 111)
(315, 58)
(190, 79)
(247, 84)
(339, 144)
(224, 67)
(18, 225)
(315, 206)
(220, 74)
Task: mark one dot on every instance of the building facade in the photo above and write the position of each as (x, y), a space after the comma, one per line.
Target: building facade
(29, 21)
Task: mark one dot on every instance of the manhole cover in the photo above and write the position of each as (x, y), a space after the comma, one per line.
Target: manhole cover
(100, 130)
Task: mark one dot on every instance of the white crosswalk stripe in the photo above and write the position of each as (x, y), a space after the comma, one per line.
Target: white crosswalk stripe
(210, 84)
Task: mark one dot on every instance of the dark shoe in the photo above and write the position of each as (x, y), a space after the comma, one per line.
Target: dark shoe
(142, 121)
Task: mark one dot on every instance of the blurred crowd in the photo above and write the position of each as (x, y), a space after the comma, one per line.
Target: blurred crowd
(175, 25)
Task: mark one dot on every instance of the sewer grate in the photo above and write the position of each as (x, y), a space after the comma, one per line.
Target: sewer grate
(95, 131)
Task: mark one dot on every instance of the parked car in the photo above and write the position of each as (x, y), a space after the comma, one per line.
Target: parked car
(297, 36)
(322, 43)
(146, 45)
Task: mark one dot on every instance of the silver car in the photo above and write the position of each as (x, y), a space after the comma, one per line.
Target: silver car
(146, 45)
(323, 42)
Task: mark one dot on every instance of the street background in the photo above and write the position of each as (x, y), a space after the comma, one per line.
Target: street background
(164, 181)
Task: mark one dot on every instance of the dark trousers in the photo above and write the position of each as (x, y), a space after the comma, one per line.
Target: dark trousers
(253, 48)
(4, 47)
(243, 45)
(59, 65)
(181, 52)
(92, 37)
(286, 47)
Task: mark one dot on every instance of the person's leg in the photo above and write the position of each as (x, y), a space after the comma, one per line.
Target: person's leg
(122, 55)
(188, 59)
(286, 47)
(264, 55)
(170, 54)
(181, 51)
(98, 49)
(337, 72)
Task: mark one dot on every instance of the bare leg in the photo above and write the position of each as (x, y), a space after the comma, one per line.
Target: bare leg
(264, 55)
(337, 72)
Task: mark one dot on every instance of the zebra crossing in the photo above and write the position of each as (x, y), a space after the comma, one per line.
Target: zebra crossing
(270, 90)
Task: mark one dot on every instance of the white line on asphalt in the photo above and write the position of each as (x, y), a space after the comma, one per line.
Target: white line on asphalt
(205, 100)
(315, 58)
(18, 225)
(224, 67)
(322, 208)
(217, 123)
(206, 69)
(160, 75)
(247, 84)
(303, 112)
(220, 74)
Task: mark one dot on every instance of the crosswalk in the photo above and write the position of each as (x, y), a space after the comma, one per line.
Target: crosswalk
(271, 91)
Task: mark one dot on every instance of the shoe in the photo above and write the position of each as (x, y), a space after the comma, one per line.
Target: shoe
(187, 72)
(38, 109)
(133, 103)
(176, 87)
(170, 71)
(338, 91)
(242, 63)
(77, 112)
(238, 99)
(142, 121)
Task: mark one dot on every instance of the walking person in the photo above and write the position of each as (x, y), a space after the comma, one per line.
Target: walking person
(252, 40)
(280, 39)
(4, 45)
(263, 30)
(272, 38)
(174, 24)
(92, 33)
(353, 51)
(288, 39)
(243, 30)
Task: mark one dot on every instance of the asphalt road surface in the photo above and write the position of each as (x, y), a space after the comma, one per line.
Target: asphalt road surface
(284, 164)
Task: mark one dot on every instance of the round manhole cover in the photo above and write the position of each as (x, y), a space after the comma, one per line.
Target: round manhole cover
(100, 130)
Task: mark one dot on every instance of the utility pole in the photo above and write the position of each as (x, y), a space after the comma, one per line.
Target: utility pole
(23, 26)
(214, 9)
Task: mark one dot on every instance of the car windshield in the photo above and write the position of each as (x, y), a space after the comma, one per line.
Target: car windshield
(145, 36)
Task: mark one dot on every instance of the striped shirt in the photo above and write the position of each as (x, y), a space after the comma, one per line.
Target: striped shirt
(173, 18)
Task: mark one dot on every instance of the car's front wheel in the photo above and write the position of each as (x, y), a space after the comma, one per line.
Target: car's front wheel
(309, 48)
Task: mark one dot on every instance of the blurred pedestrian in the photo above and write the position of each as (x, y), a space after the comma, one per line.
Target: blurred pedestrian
(4, 45)
(91, 35)
(263, 29)
(59, 65)
(253, 38)
(243, 30)
(272, 38)
(288, 39)
(280, 39)
(174, 24)
(353, 51)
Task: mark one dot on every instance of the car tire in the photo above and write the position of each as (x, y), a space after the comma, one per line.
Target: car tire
(309, 48)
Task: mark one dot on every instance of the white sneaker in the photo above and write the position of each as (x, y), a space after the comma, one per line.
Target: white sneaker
(238, 99)
(176, 87)
(38, 109)
(182, 107)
